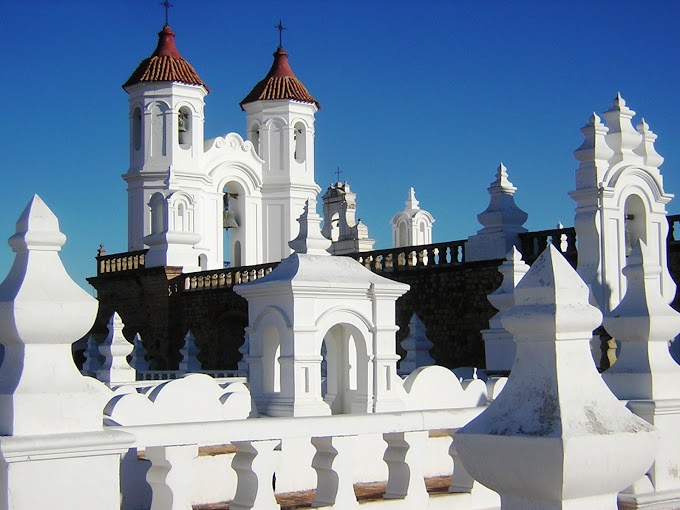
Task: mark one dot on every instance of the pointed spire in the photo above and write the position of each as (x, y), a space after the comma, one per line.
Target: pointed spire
(644, 323)
(411, 202)
(189, 351)
(115, 350)
(310, 241)
(417, 347)
(280, 83)
(139, 362)
(165, 64)
(646, 148)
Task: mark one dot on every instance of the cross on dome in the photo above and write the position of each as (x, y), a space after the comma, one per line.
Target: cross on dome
(167, 5)
(280, 28)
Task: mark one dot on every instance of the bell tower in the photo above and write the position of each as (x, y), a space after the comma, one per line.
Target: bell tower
(166, 101)
(280, 124)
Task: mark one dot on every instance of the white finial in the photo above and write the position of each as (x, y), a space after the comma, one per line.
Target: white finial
(646, 149)
(189, 351)
(310, 241)
(412, 203)
(622, 137)
(139, 353)
(417, 347)
(115, 350)
(618, 101)
(554, 403)
(42, 312)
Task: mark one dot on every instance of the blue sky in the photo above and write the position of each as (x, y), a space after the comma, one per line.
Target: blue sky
(430, 94)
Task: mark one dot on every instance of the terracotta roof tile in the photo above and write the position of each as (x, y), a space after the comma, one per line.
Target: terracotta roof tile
(280, 83)
(165, 64)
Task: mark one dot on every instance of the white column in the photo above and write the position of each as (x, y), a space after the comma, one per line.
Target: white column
(334, 463)
(171, 476)
(255, 463)
(404, 457)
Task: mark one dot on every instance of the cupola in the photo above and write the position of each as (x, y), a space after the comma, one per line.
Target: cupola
(165, 64)
(280, 83)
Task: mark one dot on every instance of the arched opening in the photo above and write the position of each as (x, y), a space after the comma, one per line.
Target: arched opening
(402, 239)
(158, 215)
(136, 128)
(203, 262)
(635, 222)
(422, 235)
(335, 227)
(184, 127)
(232, 223)
(254, 137)
(276, 139)
(345, 364)
(158, 131)
(181, 223)
(300, 139)
(271, 351)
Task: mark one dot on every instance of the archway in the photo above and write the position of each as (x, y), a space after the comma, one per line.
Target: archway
(346, 364)
(232, 223)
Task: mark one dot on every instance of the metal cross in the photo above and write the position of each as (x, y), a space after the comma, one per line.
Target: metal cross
(337, 172)
(281, 28)
(167, 5)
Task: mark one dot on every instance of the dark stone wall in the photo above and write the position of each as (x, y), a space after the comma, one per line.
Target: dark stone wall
(450, 300)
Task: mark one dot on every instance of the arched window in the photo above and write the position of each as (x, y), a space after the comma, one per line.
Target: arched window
(158, 131)
(157, 208)
(402, 239)
(136, 128)
(300, 138)
(184, 127)
(635, 220)
(180, 224)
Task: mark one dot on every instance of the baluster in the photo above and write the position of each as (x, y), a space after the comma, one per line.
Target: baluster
(461, 481)
(401, 259)
(367, 262)
(379, 263)
(229, 279)
(334, 463)
(389, 261)
(435, 256)
(449, 256)
(141, 259)
(255, 463)
(171, 476)
(404, 458)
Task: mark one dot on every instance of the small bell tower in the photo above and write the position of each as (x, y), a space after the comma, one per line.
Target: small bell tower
(166, 98)
(280, 124)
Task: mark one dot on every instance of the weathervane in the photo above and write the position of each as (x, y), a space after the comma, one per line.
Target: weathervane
(281, 28)
(167, 5)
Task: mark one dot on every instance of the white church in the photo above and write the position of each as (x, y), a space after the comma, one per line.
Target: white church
(197, 203)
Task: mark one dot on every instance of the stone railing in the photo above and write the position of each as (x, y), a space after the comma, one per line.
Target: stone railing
(118, 262)
(229, 277)
(265, 449)
(166, 375)
(532, 244)
(406, 258)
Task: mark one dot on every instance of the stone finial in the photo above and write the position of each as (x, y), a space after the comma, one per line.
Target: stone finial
(139, 353)
(593, 154)
(42, 312)
(115, 350)
(502, 221)
(189, 352)
(310, 241)
(411, 202)
(502, 212)
(499, 346)
(244, 350)
(555, 406)
(646, 148)
(417, 347)
(101, 251)
(93, 359)
(513, 270)
(622, 137)
(644, 324)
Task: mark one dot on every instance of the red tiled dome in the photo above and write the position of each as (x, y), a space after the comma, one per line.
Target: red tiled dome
(280, 83)
(165, 64)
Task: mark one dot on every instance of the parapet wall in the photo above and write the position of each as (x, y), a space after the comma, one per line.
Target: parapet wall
(447, 293)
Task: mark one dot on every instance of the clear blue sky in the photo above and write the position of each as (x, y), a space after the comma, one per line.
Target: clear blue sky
(430, 94)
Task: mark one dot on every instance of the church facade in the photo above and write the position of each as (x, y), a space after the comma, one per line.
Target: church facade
(197, 203)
